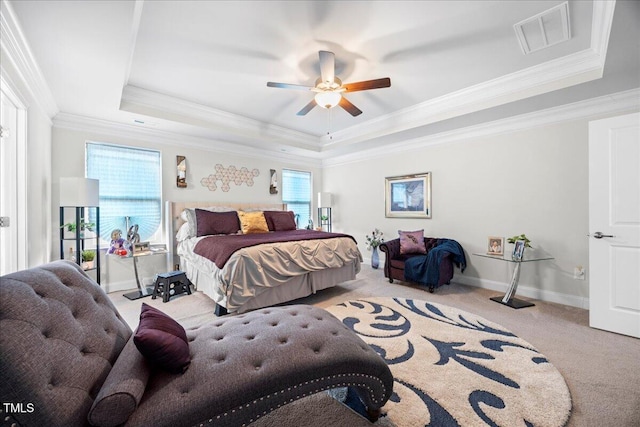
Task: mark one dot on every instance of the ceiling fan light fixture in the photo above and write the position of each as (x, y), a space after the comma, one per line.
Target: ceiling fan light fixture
(329, 88)
(328, 99)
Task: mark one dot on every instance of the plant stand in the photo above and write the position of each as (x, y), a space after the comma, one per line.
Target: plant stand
(79, 238)
(325, 224)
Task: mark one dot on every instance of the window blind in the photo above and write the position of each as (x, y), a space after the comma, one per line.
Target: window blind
(296, 193)
(130, 188)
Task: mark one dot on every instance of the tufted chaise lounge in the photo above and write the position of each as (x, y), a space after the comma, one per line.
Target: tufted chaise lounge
(66, 351)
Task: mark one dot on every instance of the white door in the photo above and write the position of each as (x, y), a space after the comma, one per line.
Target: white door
(614, 224)
(8, 188)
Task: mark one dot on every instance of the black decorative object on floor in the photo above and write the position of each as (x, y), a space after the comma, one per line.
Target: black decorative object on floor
(143, 292)
(171, 284)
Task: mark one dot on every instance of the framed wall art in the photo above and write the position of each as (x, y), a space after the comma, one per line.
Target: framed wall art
(408, 196)
(273, 186)
(181, 180)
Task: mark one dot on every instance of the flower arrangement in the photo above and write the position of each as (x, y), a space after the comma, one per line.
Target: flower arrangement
(527, 242)
(375, 239)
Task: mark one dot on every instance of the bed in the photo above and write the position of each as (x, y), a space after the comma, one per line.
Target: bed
(274, 267)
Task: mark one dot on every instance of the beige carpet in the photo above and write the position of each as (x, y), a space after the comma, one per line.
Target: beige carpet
(601, 369)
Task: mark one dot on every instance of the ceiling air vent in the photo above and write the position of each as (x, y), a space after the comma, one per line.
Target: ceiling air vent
(544, 29)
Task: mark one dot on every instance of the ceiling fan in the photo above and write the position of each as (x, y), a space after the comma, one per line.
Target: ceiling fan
(329, 88)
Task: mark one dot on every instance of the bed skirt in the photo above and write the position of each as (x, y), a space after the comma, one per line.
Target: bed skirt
(293, 288)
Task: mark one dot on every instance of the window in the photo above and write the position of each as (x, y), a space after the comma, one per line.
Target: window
(130, 189)
(296, 193)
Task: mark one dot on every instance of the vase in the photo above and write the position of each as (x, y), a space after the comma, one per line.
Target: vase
(375, 261)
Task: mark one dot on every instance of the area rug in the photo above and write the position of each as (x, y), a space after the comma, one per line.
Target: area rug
(453, 368)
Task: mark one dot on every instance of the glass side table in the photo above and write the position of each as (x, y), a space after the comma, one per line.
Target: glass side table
(143, 291)
(509, 297)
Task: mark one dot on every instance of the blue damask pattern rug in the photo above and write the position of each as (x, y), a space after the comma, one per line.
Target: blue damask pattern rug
(453, 368)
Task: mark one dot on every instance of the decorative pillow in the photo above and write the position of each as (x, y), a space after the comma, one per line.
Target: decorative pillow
(412, 242)
(280, 220)
(253, 222)
(162, 341)
(216, 222)
(183, 233)
(122, 391)
(189, 216)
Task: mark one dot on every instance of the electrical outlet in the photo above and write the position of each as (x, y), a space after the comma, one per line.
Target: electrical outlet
(578, 272)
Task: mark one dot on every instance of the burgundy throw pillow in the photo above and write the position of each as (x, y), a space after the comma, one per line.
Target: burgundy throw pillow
(412, 242)
(280, 220)
(208, 223)
(162, 340)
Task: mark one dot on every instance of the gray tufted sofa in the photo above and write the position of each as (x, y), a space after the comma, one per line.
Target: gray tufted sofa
(68, 357)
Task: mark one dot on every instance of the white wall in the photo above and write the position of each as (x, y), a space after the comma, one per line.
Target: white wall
(68, 159)
(533, 181)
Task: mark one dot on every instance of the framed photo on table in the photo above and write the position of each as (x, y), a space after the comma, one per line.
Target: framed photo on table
(518, 250)
(495, 245)
(408, 196)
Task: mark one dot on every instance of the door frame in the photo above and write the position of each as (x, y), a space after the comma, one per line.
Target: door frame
(21, 179)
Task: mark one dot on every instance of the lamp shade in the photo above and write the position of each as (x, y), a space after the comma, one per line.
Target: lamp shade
(324, 200)
(79, 192)
(328, 99)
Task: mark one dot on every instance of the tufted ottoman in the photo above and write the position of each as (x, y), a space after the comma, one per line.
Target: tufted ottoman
(64, 348)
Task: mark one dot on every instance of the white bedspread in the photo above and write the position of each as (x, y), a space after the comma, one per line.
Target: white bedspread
(250, 271)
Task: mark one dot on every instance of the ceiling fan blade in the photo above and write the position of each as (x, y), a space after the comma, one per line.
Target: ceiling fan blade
(327, 66)
(289, 86)
(307, 108)
(349, 107)
(366, 85)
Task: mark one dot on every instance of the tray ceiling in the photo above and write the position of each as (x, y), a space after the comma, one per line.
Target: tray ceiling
(200, 68)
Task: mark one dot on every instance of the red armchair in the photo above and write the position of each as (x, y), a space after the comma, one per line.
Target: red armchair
(394, 262)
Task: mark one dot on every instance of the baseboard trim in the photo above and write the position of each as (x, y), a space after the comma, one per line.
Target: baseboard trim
(526, 291)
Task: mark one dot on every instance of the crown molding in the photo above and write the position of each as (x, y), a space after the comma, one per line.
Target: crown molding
(608, 104)
(156, 136)
(135, 29)
(601, 23)
(16, 49)
(169, 107)
(566, 71)
(569, 70)
(552, 75)
(562, 72)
